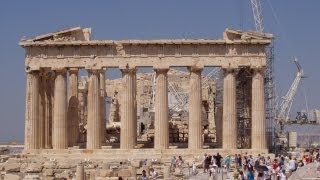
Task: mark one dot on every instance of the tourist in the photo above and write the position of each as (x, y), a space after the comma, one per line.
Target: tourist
(154, 174)
(207, 163)
(227, 162)
(236, 160)
(218, 158)
(318, 168)
(179, 163)
(144, 176)
(204, 162)
(241, 174)
(239, 160)
(292, 165)
(275, 169)
(250, 175)
(194, 168)
(283, 175)
(173, 163)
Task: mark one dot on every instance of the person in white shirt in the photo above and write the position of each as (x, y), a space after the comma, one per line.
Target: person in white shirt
(154, 174)
(292, 165)
(283, 175)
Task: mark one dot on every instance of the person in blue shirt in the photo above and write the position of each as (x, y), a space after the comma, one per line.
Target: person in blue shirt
(250, 175)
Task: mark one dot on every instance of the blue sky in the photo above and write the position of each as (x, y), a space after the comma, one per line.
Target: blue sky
(295, 24)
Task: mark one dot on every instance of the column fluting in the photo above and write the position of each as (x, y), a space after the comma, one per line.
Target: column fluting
(32, 112)
(161, 126)
(229, 131)
(258, 112)
(127, 134)
(60, 139)
(94, 119)
(195, 109)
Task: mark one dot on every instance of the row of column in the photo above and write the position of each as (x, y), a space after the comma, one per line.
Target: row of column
(52, 118)
(65, 116)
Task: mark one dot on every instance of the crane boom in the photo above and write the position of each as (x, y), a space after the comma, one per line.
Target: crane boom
(286, 104)
(257, 14)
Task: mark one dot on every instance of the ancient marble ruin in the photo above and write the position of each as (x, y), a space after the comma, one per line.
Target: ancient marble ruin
(66, 123)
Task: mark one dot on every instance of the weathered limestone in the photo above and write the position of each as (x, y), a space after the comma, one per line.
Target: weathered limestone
(195, 121)
(94, 119)
(229, 133)
(32, 111)
(258, 113)
(103, 105)
(80, 172)
(48, 111)
(42, 113)
(50, 123)
(161, 134)
(128, 127)
(60, 140)
(73, 113)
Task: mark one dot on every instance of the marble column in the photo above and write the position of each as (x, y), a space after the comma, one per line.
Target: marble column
(195, 109)
(60, 139)
(258, 111)
(161, 126)
(42, 113)
(103, 105)
(73, 113)
(48, 112)
(94, 115)
(229, 124)
(127, 110)
(32, 112)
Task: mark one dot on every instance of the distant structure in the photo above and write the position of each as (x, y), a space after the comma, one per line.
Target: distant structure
(53, 102)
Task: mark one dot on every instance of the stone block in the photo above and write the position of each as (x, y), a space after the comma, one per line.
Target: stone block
(48, 172)
(124, 173)
(49, 164)
(31, 177)
(11, 177)
(64, 165)
(34, 168)
(105, 173)
(136, 163)
(12, 167)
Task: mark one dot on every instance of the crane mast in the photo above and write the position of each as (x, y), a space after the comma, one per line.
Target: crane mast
(286, 104)
(257, 15)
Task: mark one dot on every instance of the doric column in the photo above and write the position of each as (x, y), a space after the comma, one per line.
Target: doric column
(161, 127)
(60, 139)
(195, 107)
(103, 105)
(229, 130)
(128, 128)
(94, 119)
(48, 112)
(73, 113)
(42, 112)
(32, 112)
(258, 113)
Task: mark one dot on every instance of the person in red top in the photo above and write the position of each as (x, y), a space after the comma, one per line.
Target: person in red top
(275, 169)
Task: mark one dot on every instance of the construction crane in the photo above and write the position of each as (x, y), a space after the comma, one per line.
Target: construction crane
(257, 15)
(287, 101)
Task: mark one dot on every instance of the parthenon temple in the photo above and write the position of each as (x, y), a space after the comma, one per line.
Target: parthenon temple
(146, 111)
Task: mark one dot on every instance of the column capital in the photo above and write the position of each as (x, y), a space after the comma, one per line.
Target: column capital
(195, 68)
(258, 70)
(73, 70)
(93, 71)
(161, 70)
(128, 69)
(60, 70)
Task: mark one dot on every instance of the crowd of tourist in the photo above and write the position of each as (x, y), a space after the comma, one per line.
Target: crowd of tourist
(245, 166)
(248, 167)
